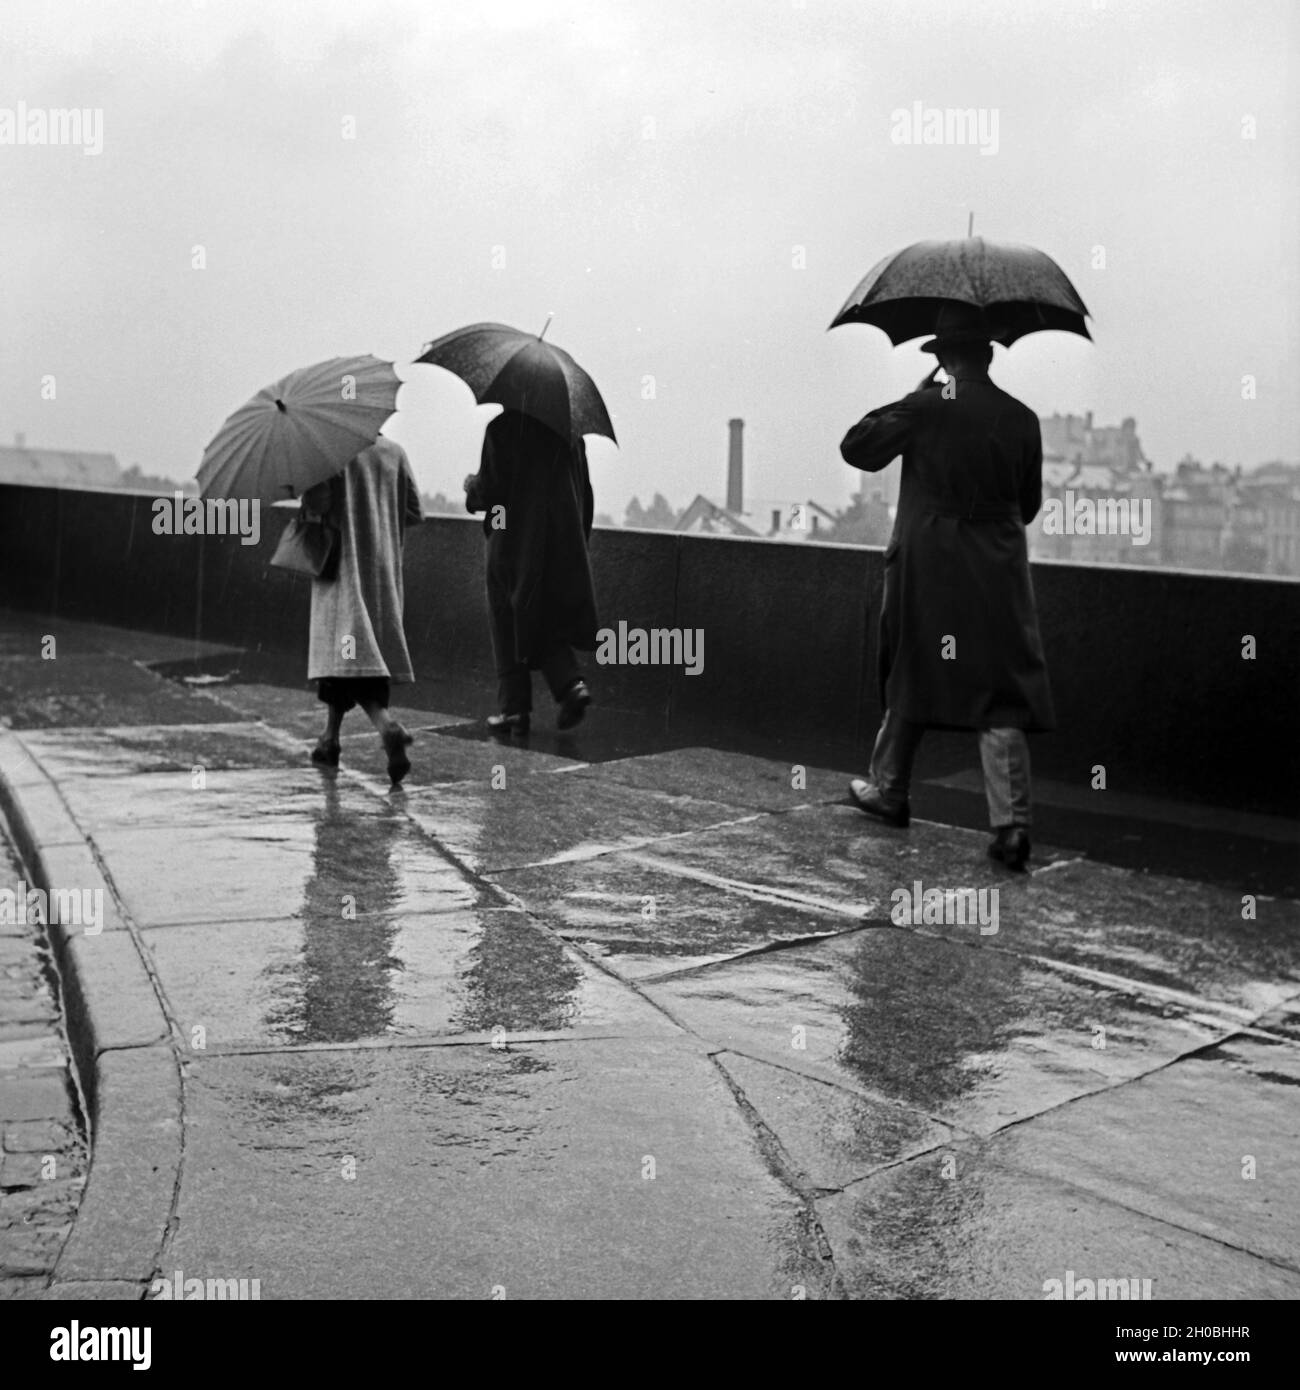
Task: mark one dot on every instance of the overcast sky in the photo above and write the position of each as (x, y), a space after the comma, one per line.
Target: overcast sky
(692, 188)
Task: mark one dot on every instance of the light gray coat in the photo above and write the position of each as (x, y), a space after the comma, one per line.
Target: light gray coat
(373, 501)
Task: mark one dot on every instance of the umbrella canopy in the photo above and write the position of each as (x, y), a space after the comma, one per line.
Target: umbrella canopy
(300, 430)
(1018, 289)
(522, 372)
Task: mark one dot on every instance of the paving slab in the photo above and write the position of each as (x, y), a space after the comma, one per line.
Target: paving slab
(82, 1290)
(287, 867)
(436, 760)
(117, 752)
(133, 1174)
(33, 1095)
(1211, 1144)
(1167, 932)
(831, 1136)
(598, 1169)
(989, 1232)
(831, 854)
(644, 920)
(40, 1136)
(96, 689)
(396, 975)
(976, 1038)
(534, 819)
(220, 797)
(109, 996)
(735, 779)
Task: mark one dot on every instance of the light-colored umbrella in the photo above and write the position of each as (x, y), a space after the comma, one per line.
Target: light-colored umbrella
(1017, 290)
(522, 372)
(300, 430)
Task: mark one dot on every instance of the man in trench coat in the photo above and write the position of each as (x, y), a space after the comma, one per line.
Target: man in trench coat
(959, 641)
(535, 491)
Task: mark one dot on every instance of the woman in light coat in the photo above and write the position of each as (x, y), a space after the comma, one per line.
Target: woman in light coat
(357, 647)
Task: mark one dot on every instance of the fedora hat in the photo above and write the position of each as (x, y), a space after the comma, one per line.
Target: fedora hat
(958, 323)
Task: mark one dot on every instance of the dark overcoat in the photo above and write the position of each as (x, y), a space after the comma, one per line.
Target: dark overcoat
(537, 545)
(959, 641)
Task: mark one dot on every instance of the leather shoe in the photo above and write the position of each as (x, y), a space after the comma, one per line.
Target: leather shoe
(866, 797)
(508, 724)
(1011, 847)
(396, 742)
(326, 753)
(574, 705)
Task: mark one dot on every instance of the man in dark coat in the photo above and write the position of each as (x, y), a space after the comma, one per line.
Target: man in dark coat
(959, 642)
(535, 491)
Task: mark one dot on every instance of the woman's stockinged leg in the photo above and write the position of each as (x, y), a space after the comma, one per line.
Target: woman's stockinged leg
(327, 746)
(393, 736)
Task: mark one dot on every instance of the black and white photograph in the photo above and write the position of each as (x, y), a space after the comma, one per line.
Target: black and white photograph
(649, 651)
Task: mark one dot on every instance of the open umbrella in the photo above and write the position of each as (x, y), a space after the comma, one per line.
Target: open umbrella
(1017, 289)
(300, 430)
(522, 372)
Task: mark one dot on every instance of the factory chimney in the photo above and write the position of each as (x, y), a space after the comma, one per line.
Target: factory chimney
(736, 467)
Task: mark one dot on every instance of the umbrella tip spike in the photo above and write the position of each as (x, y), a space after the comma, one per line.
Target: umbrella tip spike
(545, 326)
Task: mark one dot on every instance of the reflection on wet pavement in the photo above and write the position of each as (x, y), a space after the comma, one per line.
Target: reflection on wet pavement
(509, 990)
(976, 1038)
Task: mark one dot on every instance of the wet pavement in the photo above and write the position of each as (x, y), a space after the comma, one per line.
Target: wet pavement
(43, 1156)
(547, 1023)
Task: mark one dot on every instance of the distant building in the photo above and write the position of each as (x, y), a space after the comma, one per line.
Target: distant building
(1270, 496)
(1075, 439)
(1092, 471)
(56, 467)
(1198, 503)
(759, 518)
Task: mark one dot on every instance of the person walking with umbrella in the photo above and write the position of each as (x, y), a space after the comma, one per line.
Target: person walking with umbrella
(357, 646)
(314, 434)
(534, 490)
(959, 641)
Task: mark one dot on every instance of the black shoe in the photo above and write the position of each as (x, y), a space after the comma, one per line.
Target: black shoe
(574, 705)
(508, 724)
(326, 753)
(395, 745)
(866, 797)
(1011, 847)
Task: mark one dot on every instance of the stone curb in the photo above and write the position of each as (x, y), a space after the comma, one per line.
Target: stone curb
(121, 1049)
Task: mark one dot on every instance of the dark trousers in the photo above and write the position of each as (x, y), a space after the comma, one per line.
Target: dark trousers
(559, 666)
(1004, 754)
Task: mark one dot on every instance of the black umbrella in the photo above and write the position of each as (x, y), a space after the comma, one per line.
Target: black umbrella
(521, 372)
(1016, 289)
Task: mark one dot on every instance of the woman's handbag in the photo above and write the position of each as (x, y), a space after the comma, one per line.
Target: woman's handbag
(309, 545)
